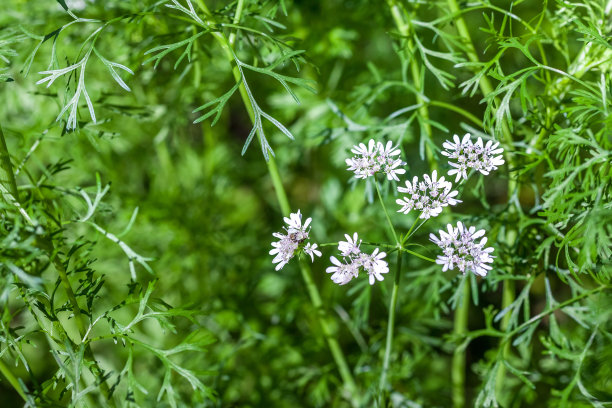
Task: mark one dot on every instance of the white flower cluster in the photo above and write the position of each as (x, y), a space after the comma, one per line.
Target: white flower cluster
(375, 158)
(293, 241)
(472, 155)
(461, 249)
(354, 259)
(428, 196)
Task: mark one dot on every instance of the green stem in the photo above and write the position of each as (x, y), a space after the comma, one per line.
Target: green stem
(281, 195)
(12, 380)
(343, 368)
(7, 176)
(402, 21)
(418, 255)
(409, 231)
(458, 110)
(550, 311)
(382, 202)
(394, 296)
(458, 365)
(485, 85)
(76, 309)
(391, 322)
(334, 347)
(508, 295)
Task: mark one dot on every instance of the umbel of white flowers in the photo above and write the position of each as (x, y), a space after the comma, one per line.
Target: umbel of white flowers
(293, 241)
(472, 155)
(353, 260)
(375, 158)
(461, 249)
(428, 196)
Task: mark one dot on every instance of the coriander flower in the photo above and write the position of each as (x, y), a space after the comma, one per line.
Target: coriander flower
(428, 196)
(375, 158)
(373, 264)
(311, 249)
(472, 155)
(294, 221)
(351, 246)
(293, 241)
(343, 272)
(461, 249)
(354, 259)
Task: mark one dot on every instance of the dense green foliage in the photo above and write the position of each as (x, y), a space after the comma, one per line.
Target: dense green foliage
(134, 236)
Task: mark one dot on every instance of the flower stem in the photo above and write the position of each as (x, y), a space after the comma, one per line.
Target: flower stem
(394, 296)
(458, 365)
(419, 255)
(382, 202)
(391, 322)
(343, 368)
(414, 224)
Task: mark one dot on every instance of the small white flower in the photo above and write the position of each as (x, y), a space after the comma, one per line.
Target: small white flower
(374, 265)
(343, 273)
(472, 155)
(354, 259)
(461, 249)
(351, 246)
(375, 158)
(311, 249)
(293, 241)
(428, 196)
(284, 250)
(295, 222)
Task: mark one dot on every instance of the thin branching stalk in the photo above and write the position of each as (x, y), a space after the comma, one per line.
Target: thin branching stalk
(394, 296)
(337, 353)
(391, 227)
